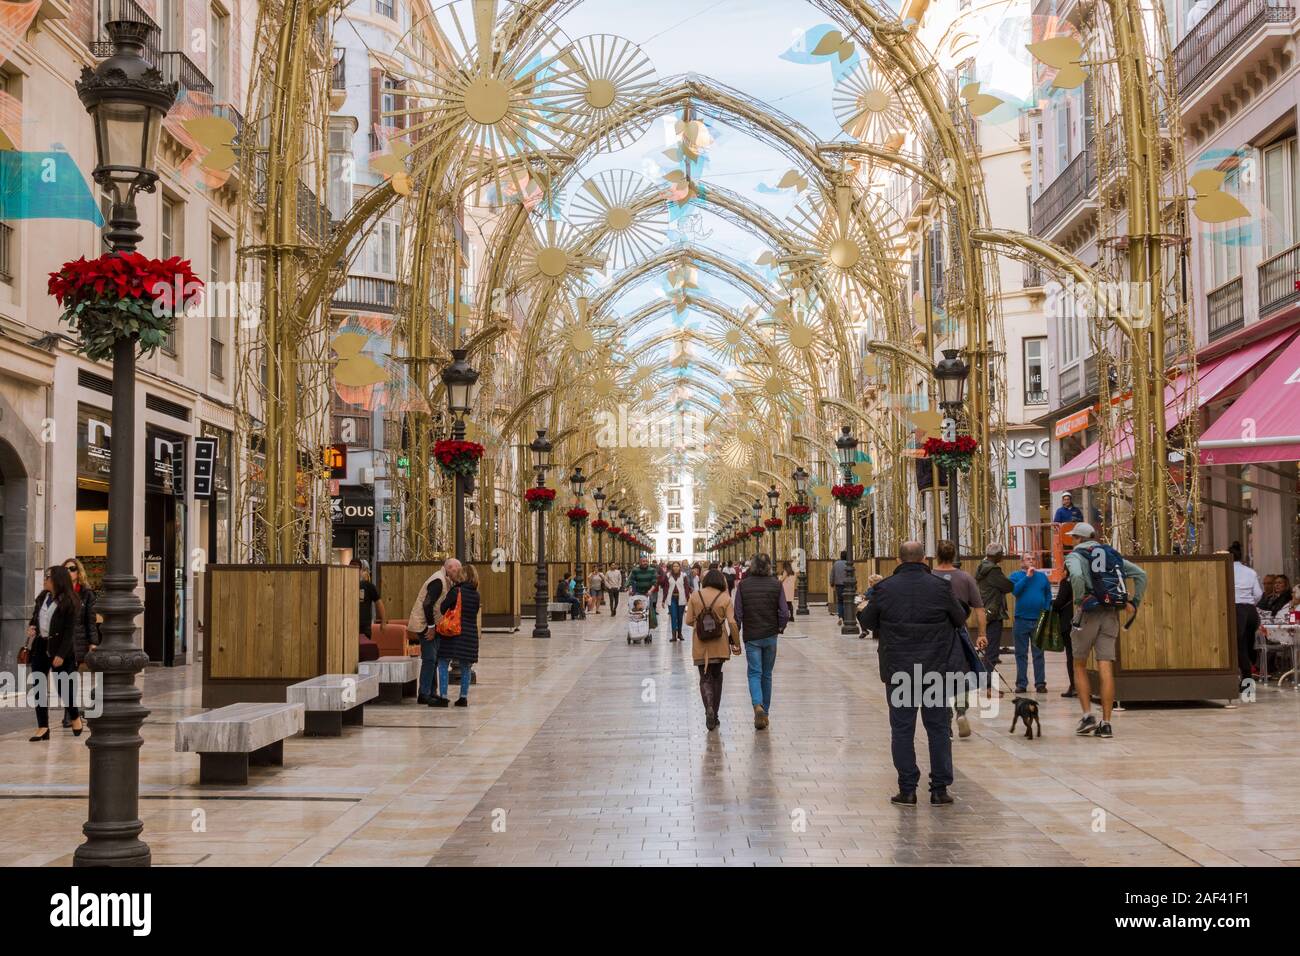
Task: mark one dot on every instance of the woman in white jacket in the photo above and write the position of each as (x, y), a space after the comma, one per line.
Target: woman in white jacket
(676, 593)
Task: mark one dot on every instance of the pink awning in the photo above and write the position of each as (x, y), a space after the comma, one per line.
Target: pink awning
(1264, 423)
(1213, 378)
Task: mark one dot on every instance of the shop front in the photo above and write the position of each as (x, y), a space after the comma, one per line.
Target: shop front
(165, 548)
(94, 457)
(352, 515)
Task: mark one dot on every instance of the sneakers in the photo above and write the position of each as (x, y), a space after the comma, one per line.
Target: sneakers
(1086, 726)
(462, 702)
(940, 797)
(1103, 730)
(963, 725)
(903, 799)
(760, 717)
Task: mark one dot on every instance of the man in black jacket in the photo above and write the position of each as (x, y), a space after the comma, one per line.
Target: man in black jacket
(915, 616)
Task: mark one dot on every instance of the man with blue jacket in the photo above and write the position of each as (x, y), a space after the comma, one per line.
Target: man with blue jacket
(1033, 595)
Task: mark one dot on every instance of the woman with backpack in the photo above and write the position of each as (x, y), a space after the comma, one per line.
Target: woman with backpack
(457, 631)
(714, 638)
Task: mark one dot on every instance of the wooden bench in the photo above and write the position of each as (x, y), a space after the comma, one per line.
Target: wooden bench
(333, 700)
(229, 738)
(398, 677)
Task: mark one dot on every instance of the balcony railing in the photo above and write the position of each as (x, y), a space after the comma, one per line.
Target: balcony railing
(1223, 31)
(339, 74)
(178, 67)
(110, 10)
(1035, 397)
(1225, 309)
(226, 111)
(1074, 184)
(367, 293)
(1277, 280)
(6, 252)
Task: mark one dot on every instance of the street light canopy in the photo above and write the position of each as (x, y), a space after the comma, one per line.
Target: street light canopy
(800, 478)
(773, 496)
(846, 447)
(541, 449)
(461, 380)
(757, 510)
(127, 98)
(951, 372)
(598, 496)
(576, 481)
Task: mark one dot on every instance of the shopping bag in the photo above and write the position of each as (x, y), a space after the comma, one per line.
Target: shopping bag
(1047, 632)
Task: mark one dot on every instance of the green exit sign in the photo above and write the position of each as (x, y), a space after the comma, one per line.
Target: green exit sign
(403, 462)
(1010, 479)
(389, 516)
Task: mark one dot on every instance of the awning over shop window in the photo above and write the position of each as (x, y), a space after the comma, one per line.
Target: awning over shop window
(1264, 423)
(1213, 378)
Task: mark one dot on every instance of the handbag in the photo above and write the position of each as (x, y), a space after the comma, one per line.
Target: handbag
(449, 624)
(1047, 632)
(24, 655)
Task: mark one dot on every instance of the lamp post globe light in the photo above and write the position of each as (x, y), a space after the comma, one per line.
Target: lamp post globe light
(756, 509)
(541, 452)
(461, 381)
(598, 496)
(773, 496)
(846, 449)
(577, 481)
(127, 98)
(800, 478)
(951, 372)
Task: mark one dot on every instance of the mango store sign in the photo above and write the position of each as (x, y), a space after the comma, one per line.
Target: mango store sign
(1022, 453)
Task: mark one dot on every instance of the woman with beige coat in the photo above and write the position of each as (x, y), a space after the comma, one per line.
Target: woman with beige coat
(714, 638)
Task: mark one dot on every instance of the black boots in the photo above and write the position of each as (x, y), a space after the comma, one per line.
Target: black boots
(940, 797)
(904, 799)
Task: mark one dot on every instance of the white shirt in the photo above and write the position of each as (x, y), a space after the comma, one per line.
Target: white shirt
(1246, 582)
(46, 615)
(614, 579)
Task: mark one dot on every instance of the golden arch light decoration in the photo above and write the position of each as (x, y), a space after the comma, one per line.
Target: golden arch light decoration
(612, 205)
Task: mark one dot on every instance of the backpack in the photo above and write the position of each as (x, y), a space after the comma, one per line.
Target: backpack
(1106, 586)
(708, 627)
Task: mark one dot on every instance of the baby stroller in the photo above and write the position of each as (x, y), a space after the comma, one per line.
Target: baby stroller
(638, 619)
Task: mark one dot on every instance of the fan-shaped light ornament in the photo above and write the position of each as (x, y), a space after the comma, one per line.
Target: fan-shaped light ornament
(607, 74)
(620, 207)
(869, 108)
(553, 255)
(481, 107)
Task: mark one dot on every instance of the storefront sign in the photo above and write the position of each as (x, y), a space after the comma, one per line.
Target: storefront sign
(94, 442)
(354, 506)
(160, 449)
(205, 455)
(1072, 423)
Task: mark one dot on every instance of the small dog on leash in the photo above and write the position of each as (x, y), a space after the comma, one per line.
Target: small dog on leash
(1026, 711)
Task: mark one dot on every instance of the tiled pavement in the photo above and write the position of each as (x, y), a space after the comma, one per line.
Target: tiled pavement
(585, 751)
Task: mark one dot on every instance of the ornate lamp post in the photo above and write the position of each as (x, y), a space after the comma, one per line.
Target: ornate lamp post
(127, 99)
(541, 450)
(801, 586)
(846, 447)
(598, 496)
(756, 509)
(951, 373)
(576, 482)
(461, 381)
(773, 496)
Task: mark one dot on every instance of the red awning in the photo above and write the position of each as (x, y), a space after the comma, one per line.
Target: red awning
(1213, 378)
(1264, 423)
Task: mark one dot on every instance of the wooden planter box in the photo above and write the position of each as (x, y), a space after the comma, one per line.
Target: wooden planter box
(271, 625)
(400, 581)
(1183, 644)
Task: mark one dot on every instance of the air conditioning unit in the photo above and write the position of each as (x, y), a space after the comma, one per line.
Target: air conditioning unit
(368, 476)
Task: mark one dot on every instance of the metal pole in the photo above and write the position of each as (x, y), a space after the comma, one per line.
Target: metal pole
(848, 622)
(581, 571)
(541, 628)
(801, 585)
(113, 825)
(953, 528)
(458, 518)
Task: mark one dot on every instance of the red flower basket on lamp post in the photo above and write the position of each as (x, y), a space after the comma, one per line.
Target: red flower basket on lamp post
(850, 496)
(539, 499)
(457, 457)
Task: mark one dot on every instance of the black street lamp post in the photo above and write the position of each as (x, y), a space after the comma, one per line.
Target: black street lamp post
(598, 496)
(127, 98)
(773, 496)
(461, 380)
(576, 481)
(846, 447)
(541, 450)
(756, 509)
(801, 587)
(951, 372)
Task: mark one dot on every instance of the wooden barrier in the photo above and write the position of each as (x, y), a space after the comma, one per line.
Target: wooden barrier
(269, 626)
(1183, 643)
(499, 590)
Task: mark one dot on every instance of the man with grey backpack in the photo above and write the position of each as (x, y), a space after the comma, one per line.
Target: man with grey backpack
(1099, 577)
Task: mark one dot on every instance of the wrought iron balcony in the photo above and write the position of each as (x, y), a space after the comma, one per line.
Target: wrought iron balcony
(1277, 280)
(226, 111)
(178, 67)
(338, 76)
(110, 10)
(1073, 186)
(367, 294)
(1225, 309)
(1224, 31)
(1035, 397)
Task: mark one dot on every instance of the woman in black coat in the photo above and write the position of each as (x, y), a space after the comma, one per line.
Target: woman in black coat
(462, 647)
(52, 637)
(1063, 606)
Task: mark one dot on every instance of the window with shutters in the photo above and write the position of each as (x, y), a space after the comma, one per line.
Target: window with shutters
(385, 8)
(339, 193)
(219, 54)
(1281, 197)
(383, 248)
(170, 244)
(217, 302)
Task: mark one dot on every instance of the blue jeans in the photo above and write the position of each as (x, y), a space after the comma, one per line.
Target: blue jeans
(1024, 634)
(760, 656)
(428, 665)
(675, 612)
(902, 745)
(466, 671)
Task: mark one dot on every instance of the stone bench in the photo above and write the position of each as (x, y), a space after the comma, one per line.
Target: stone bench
(398, 677)
(229, 738)
(333, 700)
(559, 611)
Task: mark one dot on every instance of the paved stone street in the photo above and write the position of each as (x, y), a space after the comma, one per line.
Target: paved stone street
(585, 751)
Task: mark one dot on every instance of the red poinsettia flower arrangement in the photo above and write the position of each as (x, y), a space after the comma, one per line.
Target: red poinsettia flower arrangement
(124, 295)
(456, 456)
(848, 495)
(773, 523)
(799, 514)
(756, 531)
(576, 515)
(952, 454)
(539, 499)
(599, 525)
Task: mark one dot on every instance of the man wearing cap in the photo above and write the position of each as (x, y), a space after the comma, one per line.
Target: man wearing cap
(1096, 628)
(994, 587)
(1067, 512)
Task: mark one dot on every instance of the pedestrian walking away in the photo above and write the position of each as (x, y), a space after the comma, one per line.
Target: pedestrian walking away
(915, 616)
(762, 613)
(967, 592)
(1248, 593)
(715, 638)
